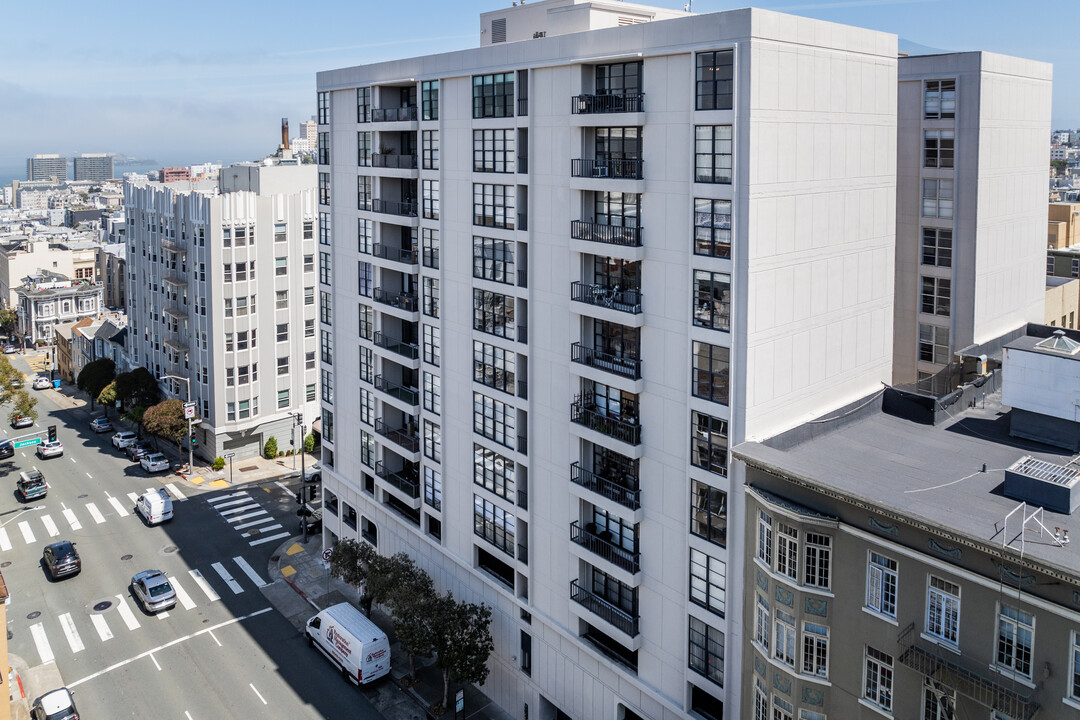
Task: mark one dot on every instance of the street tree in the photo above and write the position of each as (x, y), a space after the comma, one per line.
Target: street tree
(10, 379)
(360, 565)
(9, 317)
(411, 602)
(166, 420)
(95, 376)
(462, 641)
(107, 396)
(135, 414)
(22, 404)
(138, 387)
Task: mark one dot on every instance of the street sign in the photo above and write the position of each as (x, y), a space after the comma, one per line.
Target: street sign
(189, 410)
(24, 443)
(326, 554)
(228, 455)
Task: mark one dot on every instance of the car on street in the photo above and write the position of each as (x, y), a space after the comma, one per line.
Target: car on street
(100, 425)
(154, 462)
(42, 383)
(61, 559)
(51, 448)
(7, 449)
(31, 485)
(22, 421)
(153, 591)
(55, 705)
(135, 451)
(124, 438)
(10, 349)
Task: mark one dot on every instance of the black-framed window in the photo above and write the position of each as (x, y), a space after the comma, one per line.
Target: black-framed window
(493, 313)
(363, 148)
(937, 198)
(615, 530)
(493, 260)
(494, 419)
(324, 189)
(494, 366)
(327, 346)
(364, 233)
(612, 402)
(326, 268)
(933, 344)
(493, 205)
(429, 99)
(615, 272)
(363, 105)
(710, 376)
(430, 287)
(616, 592)
(619, 78)
(715, 79)
(429, 245)
(324, 108)
(433, 487)
(939, 148)
(712, 227)
(429, 149)
(708, 582)
(712, 300)
(707, 651)
(708, 442)
(712, 154)
(363, 192)
(430, 198)
(432, 441)
(326, 309)
(324, 228)
(936, 296)
(348, 515)
(327, 386)
(367, 321)
(494, 524)
(939, 99)
(621, 341)
(432, 344)
(493, 95)
(618, 143)
(493, 472)
(708, 513)
(365, 274)
(432, 393)
(937, 247)
(617, 209)
(367, 364)
(493, 150)
(324, 148)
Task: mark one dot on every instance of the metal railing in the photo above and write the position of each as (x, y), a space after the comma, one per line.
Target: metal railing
(522, 221)
(523, 278)
(522, 444)
(405, 480)
(397, 254)
(523, 107)
(584, 412)
(622, 365)
(605, 548)
(523, 553)
(523, 499)
(603, 609)
(618, 169)
(591, 104)
(523, 334)
(393, 161)
(610, 234)
(402, 301)
(523, 389)
(393, 114)
(395, 345)
(522, 167)
(625, 300)
(408, 395)
(405, 208)
(407, 440)
(624, 494)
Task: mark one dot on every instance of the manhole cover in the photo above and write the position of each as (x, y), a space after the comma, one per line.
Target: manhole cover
(103, 605)
(5, 564)
(125, 557)
(170, 549)
(249, 468)
(34, 615)
(83, 496)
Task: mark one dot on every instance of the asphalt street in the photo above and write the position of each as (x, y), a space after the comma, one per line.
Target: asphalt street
(222, 652)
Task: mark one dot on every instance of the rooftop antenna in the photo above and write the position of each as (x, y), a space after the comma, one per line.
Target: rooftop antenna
(688, 7)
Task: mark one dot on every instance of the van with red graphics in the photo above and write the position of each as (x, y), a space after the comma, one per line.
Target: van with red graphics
(357, 646)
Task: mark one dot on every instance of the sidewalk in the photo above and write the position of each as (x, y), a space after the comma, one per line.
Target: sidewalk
(312, 588)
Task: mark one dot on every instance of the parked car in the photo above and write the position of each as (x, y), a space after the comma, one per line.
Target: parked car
(10, 349)
(31, 485)
(42, 383)
(136, 451)
(61, 559)
(124, 438)
(153, 590)
(101, 424)
(55, 705)
(154, 462)
(52, 448)
(7, 449)
(23, 421)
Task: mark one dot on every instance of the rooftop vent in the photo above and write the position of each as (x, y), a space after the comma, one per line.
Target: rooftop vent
(498, 30)
(1058, 342)
(1054, 487)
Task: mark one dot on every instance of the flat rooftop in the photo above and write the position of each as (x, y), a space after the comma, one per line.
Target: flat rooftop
(929, 473)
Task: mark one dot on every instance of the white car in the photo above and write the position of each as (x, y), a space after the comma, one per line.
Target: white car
(55, 704)
(124, 438)
(42, 383)
(154, 462)
(54, 448)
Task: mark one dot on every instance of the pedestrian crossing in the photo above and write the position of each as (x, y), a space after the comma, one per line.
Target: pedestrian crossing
(247, 517)
(76, 630)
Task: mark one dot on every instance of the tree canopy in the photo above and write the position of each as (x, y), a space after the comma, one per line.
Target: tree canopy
(138, 387)
(8, 318)
(166, 420)
(9, 379)
(95, 376)
(22, 403)
(462, 641)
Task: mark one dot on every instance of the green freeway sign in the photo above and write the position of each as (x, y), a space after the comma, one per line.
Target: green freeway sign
(24, 443)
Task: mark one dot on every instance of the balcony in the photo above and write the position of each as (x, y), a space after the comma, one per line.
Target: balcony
(404, 208)
(394, 345)
(397, 254)
(404, 436)
(600, 545)
(407, 480)
(624, 300)
(522, 164)
(621, 169)
(593, 104)
(610, 613)
(610, 234)
(624, 491)
(407, 395)
(393, 161)
(401, 300)
(584, 412)
(393, 114)
(622, 365)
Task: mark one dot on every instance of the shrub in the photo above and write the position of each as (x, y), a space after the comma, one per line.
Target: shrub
(309, 443)
(270, 450)
(219, 463)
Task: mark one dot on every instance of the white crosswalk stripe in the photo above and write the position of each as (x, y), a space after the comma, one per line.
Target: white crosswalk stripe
(230, 503)
(176, 492)
(220, 498)
(41, 640)
(102, 627)
(263, 530)
(95, 513)
(262, 521)
(264, 540)
(50, 526)
(118, 507)
(257, 513)
(5, 543)
(73, 521)
(126, 614)
(71, 633)
(162, 615)
(249, 571)
(133, 498)
(236, 510)
(27, 533)
(203, 585)
(228, 578)
(181, 594)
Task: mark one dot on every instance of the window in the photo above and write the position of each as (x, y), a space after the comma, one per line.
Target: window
(242, 340)
(365, 275)
(761, 700)
(348, 515)
(326, 310)
(324, 108)
(432, 441)
(937, 198)
(943, 610)
(1016, 634)
(309, 230)
(493, 366)
(363, 192)
(712, 300)
(765, 538)
(939, 99)
(245, 409)
(712, 154)
(618, 78)
(708, 512)
(283, 398)
(1075, 269)
(937, 247)
(309, 360)
(493, 313)
(327, 345)
(367, 406)
(429, 239)
(363, 105)
(493, 472)
(281, 300)
(328, 425)
(283, 365)
(432, 393)
(228, 307)
(429, 149)
(230, 412)
(708, 443)
(938, 148)
(817, 560)
(230, 380)
(430, 193)
(309, 392)
(494, 420)
(711, 372)
(432, 345)
(707, 651)
(363, 236)
(762, 628)
(493, 95)
(815, 659)
(367, 321)
(787, 550)
(715, 76)
(283, 332)
(933, 344)
(367, 448)
(493, 205)
(618, 143)
(281, 266)
(936, 296)
(227, 273)
(878, 678)
(433, 487)
(363, 148)
(712, 227)
(708, 582)
(494, 524)
(493, 260)
(323, 149)
(1074, 689)
(429, 100)
(1049, 264)
(939, 701)
(324, 195)
(493, 150)
(784, 650)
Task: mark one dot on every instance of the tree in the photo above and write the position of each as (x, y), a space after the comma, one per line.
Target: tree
(9, 380)
(270, 448)
(309, 443)
(1060, 165)
(135, 415)
(107, 397)
(95, 376)
(166, 420)
(462, 640)
(9, 317)
(360, 564)
(138, 387)
(22, 404)
(411, 602)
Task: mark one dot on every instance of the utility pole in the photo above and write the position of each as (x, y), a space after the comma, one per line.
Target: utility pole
(303, 479)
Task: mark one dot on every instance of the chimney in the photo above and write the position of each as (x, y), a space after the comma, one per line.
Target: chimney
(285, 133)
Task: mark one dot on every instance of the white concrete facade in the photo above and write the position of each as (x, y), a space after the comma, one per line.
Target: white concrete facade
(804, 323)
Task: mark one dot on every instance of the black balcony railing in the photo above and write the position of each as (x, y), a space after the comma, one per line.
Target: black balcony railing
(623, 365)
(403, 436)
(584, 412)
(523, 389)
(609, 612)
(587, 537)
(393, 161)
(523, 107)
(619, 169)
(407, 480)
(625, 491)
(523, 278)
(393, 114)
(401, 300)
(522, 164)
(394, 345)
(523, 334)
(397, 254)
(523, 553)
(522, 444)
(610, 234)
(590, 104)
(405, 208)
(405, 394)
(523, 221)
(625, 300)
(523, 499)
(431, 258)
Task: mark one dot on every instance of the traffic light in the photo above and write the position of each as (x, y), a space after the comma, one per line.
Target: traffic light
(193, 441)
(52, 433)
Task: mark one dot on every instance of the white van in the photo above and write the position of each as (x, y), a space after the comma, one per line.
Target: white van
(155, 506)
(351, 641)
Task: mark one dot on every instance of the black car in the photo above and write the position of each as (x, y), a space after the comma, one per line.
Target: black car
(7, 449)
(61, 559)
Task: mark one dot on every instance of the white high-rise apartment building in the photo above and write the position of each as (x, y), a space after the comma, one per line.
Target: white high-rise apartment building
(221, 290)
(93, 166)
(584, 266)
(972, 171)
(46, 167)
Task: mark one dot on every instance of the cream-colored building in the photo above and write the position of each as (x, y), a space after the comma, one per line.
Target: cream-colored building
(1063, 228)
(1062, 302)
(27, 255)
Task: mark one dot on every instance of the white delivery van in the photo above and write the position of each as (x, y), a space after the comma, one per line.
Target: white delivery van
(155, 506)
(351, 641)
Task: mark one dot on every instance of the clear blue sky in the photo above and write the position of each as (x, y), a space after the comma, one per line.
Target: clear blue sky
(184, 83)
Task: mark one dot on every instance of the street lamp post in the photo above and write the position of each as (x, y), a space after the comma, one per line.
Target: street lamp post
(190, 420)
(299, 417)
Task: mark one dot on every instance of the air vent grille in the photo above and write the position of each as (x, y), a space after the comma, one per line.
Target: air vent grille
(498, 30)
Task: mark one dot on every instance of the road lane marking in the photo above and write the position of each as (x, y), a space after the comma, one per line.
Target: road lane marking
(215, 639)
(203, 585)
(37, 631)
(162, 615)
(155, 662)
(263, 521)
(73, 521)
(252, 686)
(249, 571)
(245, 508)
(284, 487)
(5, 543)
(50, 526)
(118, 507)
(188, 715)
(102, 627)
(232, 502)
(27, 533)
(181, 594)
(87, 474)
(257, 513)
(71, 633)
(266, 529)
(269, 539)
(73, 460)
(219, 498)
(133, 498)
(228, 578)
(169, 644)
(95, 513)
(176, 491)
(126, 614)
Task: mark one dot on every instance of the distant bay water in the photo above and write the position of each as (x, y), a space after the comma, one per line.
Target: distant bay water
(18, 172)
